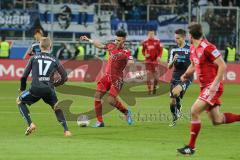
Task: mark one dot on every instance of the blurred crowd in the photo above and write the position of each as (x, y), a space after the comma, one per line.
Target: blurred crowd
(222, 26)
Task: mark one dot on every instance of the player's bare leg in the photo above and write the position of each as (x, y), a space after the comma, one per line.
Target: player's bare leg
(117, 104)
(98, 108)
(216, 117)
(177, 90)
(219, 118)
(198, 107)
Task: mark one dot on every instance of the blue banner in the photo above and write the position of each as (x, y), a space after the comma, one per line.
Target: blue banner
(67, 17)
(16, 19)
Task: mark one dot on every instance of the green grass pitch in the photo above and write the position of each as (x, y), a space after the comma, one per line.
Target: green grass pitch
(146, 139)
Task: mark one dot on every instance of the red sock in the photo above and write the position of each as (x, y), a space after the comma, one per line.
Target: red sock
(230, 117)
(195, 128)
(121, 107)
(98, 110)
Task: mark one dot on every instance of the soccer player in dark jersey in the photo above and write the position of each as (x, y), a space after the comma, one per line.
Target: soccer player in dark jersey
(180, 60)
(112, 80)
(152, 52)
(35, 48)
(210, 67)
(42, 66)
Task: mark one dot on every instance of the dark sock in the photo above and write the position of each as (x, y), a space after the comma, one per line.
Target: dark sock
(61, 119)
(178, 100)
(173, 109)
(25, 112)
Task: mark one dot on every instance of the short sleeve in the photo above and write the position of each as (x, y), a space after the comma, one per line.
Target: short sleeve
(110, 46)
(212, 53)
(170, 56)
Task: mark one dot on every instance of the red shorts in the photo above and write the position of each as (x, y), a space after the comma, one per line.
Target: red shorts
(113, 84)
(151, 66)
(212, 99)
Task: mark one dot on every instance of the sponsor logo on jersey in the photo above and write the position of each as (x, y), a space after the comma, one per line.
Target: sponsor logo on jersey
(150, 47)
(195, 60)
(199, 54)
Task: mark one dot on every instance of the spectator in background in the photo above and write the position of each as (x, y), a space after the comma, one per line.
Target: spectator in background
(165, 55)
(230, 53)
(226, 2)
(4, 48)
(138, 53)
(79, 52)
(135, 13)
(64, 52)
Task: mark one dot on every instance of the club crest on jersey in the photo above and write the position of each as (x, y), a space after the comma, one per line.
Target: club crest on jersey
(195, 60)
(199, 54)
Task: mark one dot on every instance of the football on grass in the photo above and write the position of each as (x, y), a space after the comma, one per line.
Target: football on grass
(83, 121)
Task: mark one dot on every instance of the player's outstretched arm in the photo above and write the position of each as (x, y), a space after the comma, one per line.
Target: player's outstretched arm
(96, 43)
(189, 72)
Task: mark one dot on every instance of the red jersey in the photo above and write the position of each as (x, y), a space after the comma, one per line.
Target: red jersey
(153, 48)
(203, 57)
(118, 60)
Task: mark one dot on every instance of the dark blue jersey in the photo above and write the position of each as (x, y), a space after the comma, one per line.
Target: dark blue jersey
(43, 67)
(182, 62)
(35, 48)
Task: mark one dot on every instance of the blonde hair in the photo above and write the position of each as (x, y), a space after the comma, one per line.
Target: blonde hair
(45, 43)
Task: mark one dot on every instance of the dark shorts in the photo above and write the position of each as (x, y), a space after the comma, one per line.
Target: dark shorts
(49, 97)
(184, 86)
(110, 83)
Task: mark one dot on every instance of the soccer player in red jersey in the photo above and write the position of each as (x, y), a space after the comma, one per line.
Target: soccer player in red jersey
(208, 63)
(152, 52)
(112, 80)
